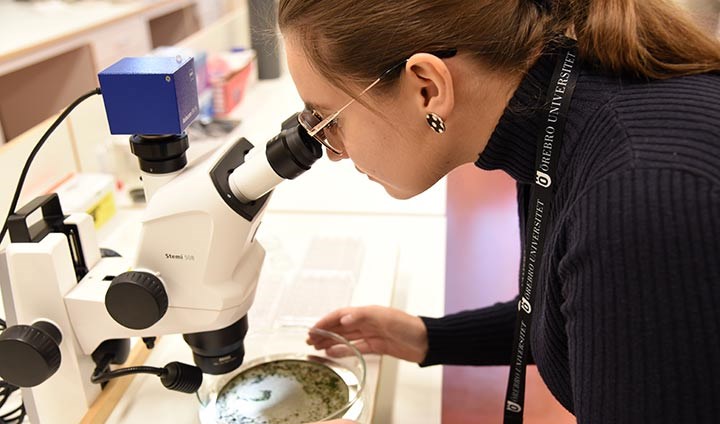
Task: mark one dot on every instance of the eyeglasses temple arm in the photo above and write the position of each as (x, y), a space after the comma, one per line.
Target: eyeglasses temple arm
(322, 124)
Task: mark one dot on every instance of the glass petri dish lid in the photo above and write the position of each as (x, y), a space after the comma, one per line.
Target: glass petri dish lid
(286, 381)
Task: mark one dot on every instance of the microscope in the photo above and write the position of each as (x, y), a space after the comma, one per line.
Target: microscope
(71, 308)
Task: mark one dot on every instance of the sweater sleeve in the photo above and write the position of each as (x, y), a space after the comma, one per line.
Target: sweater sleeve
(641, 286)
(474, 337)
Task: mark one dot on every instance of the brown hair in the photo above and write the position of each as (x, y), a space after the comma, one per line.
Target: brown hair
(360, 39)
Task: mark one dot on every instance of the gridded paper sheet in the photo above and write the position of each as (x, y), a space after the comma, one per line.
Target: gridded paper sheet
(313, 295)
(336, 254)
(322, 282)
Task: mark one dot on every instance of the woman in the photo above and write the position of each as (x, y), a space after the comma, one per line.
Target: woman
(615, 145)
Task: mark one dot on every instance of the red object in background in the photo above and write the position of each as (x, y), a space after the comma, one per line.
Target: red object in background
(230, 74)
(483, 255)
(228, 91)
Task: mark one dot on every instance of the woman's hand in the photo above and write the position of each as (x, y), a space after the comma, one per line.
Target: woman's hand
(374, 329)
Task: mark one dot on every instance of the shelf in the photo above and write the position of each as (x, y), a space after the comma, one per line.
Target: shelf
(51, 56)
(36, 92)
(169, 29)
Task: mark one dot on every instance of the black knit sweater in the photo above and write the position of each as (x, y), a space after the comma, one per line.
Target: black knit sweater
(626, 325)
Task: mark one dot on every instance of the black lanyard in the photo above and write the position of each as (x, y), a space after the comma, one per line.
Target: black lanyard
(549, 141)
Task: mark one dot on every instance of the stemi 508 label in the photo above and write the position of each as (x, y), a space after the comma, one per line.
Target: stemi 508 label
(181, 257)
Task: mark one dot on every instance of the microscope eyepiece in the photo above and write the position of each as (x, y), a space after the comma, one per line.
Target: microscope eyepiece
(287, 155)
(292, 152)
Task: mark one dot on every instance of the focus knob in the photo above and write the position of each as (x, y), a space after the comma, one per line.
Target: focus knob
(136, 299)
(29, 354)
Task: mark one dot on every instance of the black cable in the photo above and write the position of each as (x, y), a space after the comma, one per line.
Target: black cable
(105, 376)
(35, 151)
(103, 364)
(6, 389)
(174, 376)
(16, 415)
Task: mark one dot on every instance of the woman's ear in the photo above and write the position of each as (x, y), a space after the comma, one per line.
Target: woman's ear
(430, 84)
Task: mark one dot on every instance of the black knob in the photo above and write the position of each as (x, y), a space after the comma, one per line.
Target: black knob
(136, 299)
(29, 354)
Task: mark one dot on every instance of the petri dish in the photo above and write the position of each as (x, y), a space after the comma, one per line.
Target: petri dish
(286, 382)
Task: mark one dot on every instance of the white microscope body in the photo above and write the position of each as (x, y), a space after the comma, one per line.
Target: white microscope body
(204, 253)
(195, 271)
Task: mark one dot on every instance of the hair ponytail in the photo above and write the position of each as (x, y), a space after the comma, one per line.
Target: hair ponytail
(641, 38)
(351, 42)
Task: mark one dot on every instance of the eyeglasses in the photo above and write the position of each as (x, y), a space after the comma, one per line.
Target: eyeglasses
(316, 124)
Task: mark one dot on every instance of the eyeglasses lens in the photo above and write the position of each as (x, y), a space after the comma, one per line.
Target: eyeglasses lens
(309, 120)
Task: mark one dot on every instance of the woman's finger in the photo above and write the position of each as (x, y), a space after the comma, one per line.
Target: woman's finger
(323, 342)
(339, 329)
(332, 319)
(345, 319)
(339, 351)
(315, 339)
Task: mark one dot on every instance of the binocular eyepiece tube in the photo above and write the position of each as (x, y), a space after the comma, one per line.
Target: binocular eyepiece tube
(287, 155)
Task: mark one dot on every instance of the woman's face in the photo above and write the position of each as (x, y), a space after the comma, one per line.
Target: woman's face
(395, 147)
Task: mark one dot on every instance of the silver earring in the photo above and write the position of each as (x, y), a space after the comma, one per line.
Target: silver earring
(435, 122)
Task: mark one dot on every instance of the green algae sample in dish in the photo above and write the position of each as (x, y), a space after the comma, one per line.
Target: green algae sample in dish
(285, 391)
